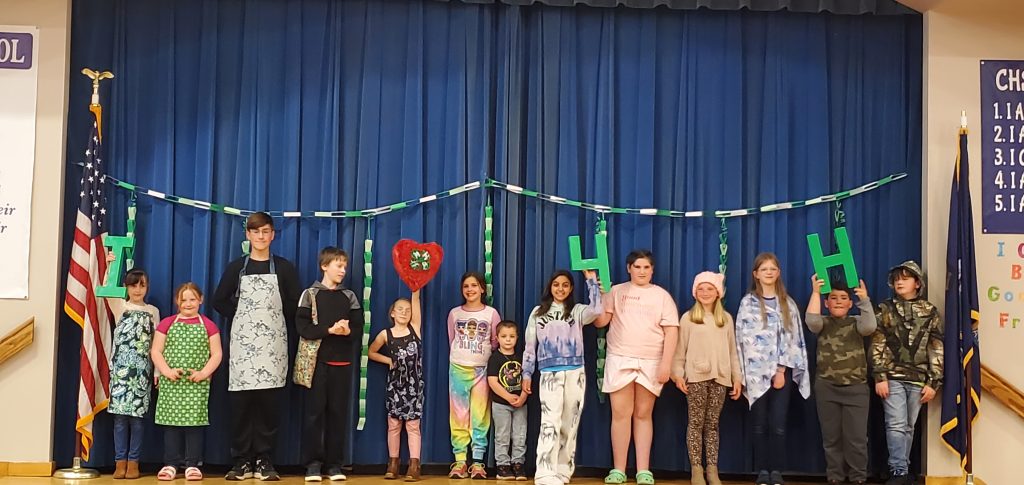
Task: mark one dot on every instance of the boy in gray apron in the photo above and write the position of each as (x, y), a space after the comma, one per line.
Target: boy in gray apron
(258, 294)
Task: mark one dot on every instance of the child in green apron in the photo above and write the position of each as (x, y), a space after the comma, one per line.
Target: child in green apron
(186, 351)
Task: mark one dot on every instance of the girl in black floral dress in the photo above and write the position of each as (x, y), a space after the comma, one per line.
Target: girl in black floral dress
(404, 358)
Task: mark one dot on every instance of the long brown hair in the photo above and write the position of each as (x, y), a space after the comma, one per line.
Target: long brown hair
(547, 298)
(780, 289)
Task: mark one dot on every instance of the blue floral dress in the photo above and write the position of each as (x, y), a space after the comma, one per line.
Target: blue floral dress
(131, 370)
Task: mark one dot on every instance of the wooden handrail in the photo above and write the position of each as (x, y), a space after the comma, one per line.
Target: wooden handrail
(1002, 390)
(17, 339)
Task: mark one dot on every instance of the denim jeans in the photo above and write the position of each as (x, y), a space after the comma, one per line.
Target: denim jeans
(509, 429)
(127, 437)
(901, 410)
(768, 427)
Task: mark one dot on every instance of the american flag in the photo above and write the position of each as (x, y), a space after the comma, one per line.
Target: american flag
(85, 273)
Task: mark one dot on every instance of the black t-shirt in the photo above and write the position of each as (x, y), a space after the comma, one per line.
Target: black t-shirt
(509, 371)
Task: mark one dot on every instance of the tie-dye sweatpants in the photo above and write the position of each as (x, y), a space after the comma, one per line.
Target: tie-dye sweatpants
(561, 405)
(469, 410)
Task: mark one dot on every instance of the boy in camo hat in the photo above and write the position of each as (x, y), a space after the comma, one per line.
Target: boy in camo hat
(906, 354)
(840, 385)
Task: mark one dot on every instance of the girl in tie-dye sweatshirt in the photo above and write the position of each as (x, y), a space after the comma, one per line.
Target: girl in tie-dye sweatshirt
(554, 344)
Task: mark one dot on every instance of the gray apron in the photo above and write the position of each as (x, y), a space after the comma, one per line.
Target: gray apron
(259, 337)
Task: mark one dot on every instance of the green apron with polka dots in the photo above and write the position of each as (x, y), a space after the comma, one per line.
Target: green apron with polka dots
(183, 402)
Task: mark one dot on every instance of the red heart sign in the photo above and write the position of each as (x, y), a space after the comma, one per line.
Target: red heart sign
(416, 263)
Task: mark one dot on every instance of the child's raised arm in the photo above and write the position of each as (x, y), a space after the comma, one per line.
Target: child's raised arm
(375, 346)
(116, 304)
(417, 314)
(813, 314)
(608, 301)
(866, 323)
(595, 308)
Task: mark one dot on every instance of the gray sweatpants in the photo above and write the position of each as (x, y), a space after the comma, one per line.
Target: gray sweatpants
(843, 412)
(509, 425)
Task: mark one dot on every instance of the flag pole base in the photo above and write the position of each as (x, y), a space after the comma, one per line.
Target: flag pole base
(76, 472)
(970, 479)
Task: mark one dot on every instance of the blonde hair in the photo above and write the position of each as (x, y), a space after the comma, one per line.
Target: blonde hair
(697, 313)
(780, 290)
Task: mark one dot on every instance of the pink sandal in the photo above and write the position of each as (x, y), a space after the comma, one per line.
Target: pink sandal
(193, 474)
(167, 473)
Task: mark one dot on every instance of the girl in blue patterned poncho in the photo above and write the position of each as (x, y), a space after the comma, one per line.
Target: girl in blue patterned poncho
(772, 351)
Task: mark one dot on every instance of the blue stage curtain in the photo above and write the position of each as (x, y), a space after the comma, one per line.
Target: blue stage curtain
(307, 105)
(844, 7)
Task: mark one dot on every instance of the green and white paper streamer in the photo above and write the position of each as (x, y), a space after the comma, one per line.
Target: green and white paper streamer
(606, 209)
(723, 247)
(602, 333)
(330, 214)
(129, 260)
(489, 251)
(364, 355)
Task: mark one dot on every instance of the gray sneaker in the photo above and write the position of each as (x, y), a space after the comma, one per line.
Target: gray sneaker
(313, 472)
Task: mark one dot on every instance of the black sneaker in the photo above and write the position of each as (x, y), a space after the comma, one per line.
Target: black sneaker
(517, 470)
(776, 479)
(505, 473)
(335, 474)
(313, 472)
(241, 471)
(265, 471)
(762, 478)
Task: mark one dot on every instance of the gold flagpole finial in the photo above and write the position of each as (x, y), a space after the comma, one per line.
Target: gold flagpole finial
(96, 77)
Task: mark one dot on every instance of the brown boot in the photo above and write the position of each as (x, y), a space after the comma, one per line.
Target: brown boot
(413, 474)
(392, 472)
(119, 468)
(697, 475)
(133, 470)
(712, 472)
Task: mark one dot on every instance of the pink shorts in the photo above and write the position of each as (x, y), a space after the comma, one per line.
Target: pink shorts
(620, 371)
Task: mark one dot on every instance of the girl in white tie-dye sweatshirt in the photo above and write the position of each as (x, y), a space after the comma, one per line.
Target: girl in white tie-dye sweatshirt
(554, 345)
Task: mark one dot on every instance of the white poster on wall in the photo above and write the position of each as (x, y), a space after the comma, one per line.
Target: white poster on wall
(19, 74)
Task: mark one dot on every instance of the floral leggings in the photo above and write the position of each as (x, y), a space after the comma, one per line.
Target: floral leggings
(705, 405)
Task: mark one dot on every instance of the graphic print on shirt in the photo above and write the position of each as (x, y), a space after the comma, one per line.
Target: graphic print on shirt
(634, 305)
(555, 316)
(510, 376)
(472, 335)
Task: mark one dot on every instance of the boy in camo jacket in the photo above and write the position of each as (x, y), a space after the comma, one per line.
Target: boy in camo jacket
(906, 354)
(840, 385)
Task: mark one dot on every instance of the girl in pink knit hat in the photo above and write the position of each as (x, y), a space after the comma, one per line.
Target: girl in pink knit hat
(705, 366)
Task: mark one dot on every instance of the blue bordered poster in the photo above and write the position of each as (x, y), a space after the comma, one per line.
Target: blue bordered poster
(1002, 147)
